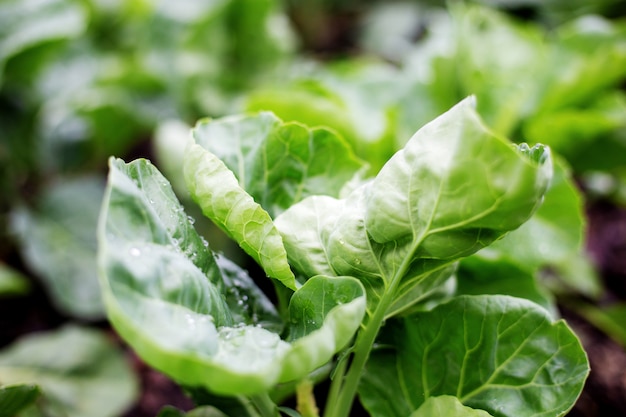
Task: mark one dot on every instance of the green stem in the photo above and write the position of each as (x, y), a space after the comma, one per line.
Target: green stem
(362, 350)
(264, 405)
(364, 343)
(335, 386)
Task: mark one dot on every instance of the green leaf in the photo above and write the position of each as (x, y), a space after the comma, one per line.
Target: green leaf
(278, 163)
(25, 24)
(58, 242)
(610, 319)
(496, 353)
(498, 59)
(12, 282)
(452, 190)
(482, 275)
(587, 57)
(70, 365)
(14, 398)
(553, 237)
(447, 406)
(356, 99)
(214, 187)
(178, 308)
(243, 170)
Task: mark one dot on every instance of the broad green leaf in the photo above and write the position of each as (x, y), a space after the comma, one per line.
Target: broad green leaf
(14, 398)
(70, 365)
(483, 275)
(453, 189)
(243, 170)
(12, 282)
(500, 354)
(278, 163)
(58, 242)
(447, 406)
(179, 308)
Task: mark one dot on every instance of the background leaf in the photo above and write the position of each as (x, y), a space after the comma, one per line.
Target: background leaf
(69, 365)
(26, 24)
(58, 242)
(495, 353)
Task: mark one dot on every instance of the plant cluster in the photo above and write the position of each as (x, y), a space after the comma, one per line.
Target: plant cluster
(354, 231)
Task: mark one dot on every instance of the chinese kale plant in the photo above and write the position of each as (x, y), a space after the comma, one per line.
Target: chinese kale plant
(363, 271)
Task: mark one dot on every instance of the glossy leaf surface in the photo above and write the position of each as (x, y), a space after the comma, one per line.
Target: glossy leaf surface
(452, 190)
(203, 322)
(496, 353)
(278, 163)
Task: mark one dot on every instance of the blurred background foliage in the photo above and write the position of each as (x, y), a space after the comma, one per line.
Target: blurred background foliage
(81, 80)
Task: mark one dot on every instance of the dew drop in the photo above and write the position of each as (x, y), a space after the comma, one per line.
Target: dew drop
(135, 252)
(191, 220)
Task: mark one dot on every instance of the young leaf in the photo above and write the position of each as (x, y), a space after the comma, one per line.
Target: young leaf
(453, 189)
(14, 398)
(447, 406)
(243, 170)
(69, 365)
(495, 353)
(177, 307)
(277, 163)
(216, 190)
